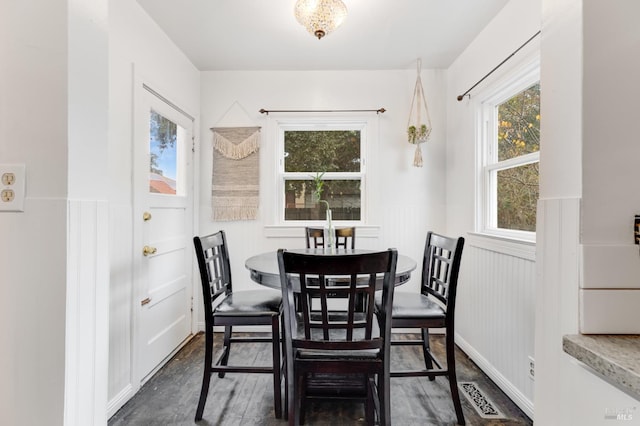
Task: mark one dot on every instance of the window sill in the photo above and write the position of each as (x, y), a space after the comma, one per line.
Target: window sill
(613, 357)
(524, 249)
(292, 231)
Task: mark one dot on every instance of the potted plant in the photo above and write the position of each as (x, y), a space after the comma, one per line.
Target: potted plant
(412, 134)
(419, 125)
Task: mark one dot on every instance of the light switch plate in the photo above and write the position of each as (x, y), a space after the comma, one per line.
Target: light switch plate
(12, 187)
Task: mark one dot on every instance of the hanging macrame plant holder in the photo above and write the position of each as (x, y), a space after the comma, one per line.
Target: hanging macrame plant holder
(419, 124)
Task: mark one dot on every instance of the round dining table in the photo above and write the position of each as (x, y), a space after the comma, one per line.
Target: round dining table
(263, 267)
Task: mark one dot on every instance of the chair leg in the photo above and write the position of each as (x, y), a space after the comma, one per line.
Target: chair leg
(206, 376)
(384, 392)
(369, 405)
(290, 390)
(453, 382)
(285, 370)
(301, 397)
(275, 344)
(426, 351)
(226, 348)
(294, 384)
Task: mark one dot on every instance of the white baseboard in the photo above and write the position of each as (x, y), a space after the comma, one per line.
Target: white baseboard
(505, 385)
(119, 400)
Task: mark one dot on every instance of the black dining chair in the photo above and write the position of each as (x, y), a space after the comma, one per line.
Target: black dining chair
(228, 308)
(433, 307)
(344, 237)
(331, 348)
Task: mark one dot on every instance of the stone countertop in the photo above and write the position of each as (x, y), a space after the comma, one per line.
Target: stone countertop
(615, 357)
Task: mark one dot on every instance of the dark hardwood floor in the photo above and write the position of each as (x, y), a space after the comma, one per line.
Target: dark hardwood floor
(171, 396)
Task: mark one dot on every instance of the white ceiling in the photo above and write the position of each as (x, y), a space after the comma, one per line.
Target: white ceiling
(377, 34)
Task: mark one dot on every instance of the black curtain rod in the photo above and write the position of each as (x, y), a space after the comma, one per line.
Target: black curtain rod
(461, 97)
(377, 111)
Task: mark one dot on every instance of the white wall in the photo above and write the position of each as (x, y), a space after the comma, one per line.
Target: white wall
(495, 312)
(578, 96)
(87, 217)
(407, 201)
(136, 45)
(54, 109)
(33, 84)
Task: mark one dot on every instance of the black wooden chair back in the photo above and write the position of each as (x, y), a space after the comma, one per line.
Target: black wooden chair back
(315, 237)
(440, 269)
(343, 237)
(214, 267)
(346, 237)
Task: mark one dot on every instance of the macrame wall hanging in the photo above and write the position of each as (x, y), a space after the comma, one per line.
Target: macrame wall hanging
(419, 124)
(235, 179)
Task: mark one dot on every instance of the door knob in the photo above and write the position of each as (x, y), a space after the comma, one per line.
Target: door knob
(146, 250)
(146, 216)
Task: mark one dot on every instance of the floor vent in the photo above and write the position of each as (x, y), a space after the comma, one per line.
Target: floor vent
(483, 405)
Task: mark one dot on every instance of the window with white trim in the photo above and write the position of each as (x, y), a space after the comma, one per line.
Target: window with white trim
(321, 166)
(510, 157)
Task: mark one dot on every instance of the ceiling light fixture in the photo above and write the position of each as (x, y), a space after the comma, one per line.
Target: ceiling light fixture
(320, 17)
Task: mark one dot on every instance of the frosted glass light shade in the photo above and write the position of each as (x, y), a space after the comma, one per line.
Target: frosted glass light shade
(320, 17)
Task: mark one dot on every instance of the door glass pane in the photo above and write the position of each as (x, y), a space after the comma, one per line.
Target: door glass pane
(164, 155)
(519, 124)
(342, 196)
(322, 151)
(517, 197)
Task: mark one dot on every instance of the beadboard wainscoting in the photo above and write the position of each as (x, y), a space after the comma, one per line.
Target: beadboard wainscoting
(495, 313)
(87, 313)
(121, 294)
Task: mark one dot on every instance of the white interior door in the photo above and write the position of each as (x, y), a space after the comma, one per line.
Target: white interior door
(163, 228)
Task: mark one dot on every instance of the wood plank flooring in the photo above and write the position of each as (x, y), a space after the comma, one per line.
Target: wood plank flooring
(171, 396)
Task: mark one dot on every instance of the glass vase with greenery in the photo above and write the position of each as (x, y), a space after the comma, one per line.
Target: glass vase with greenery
(317, 195)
